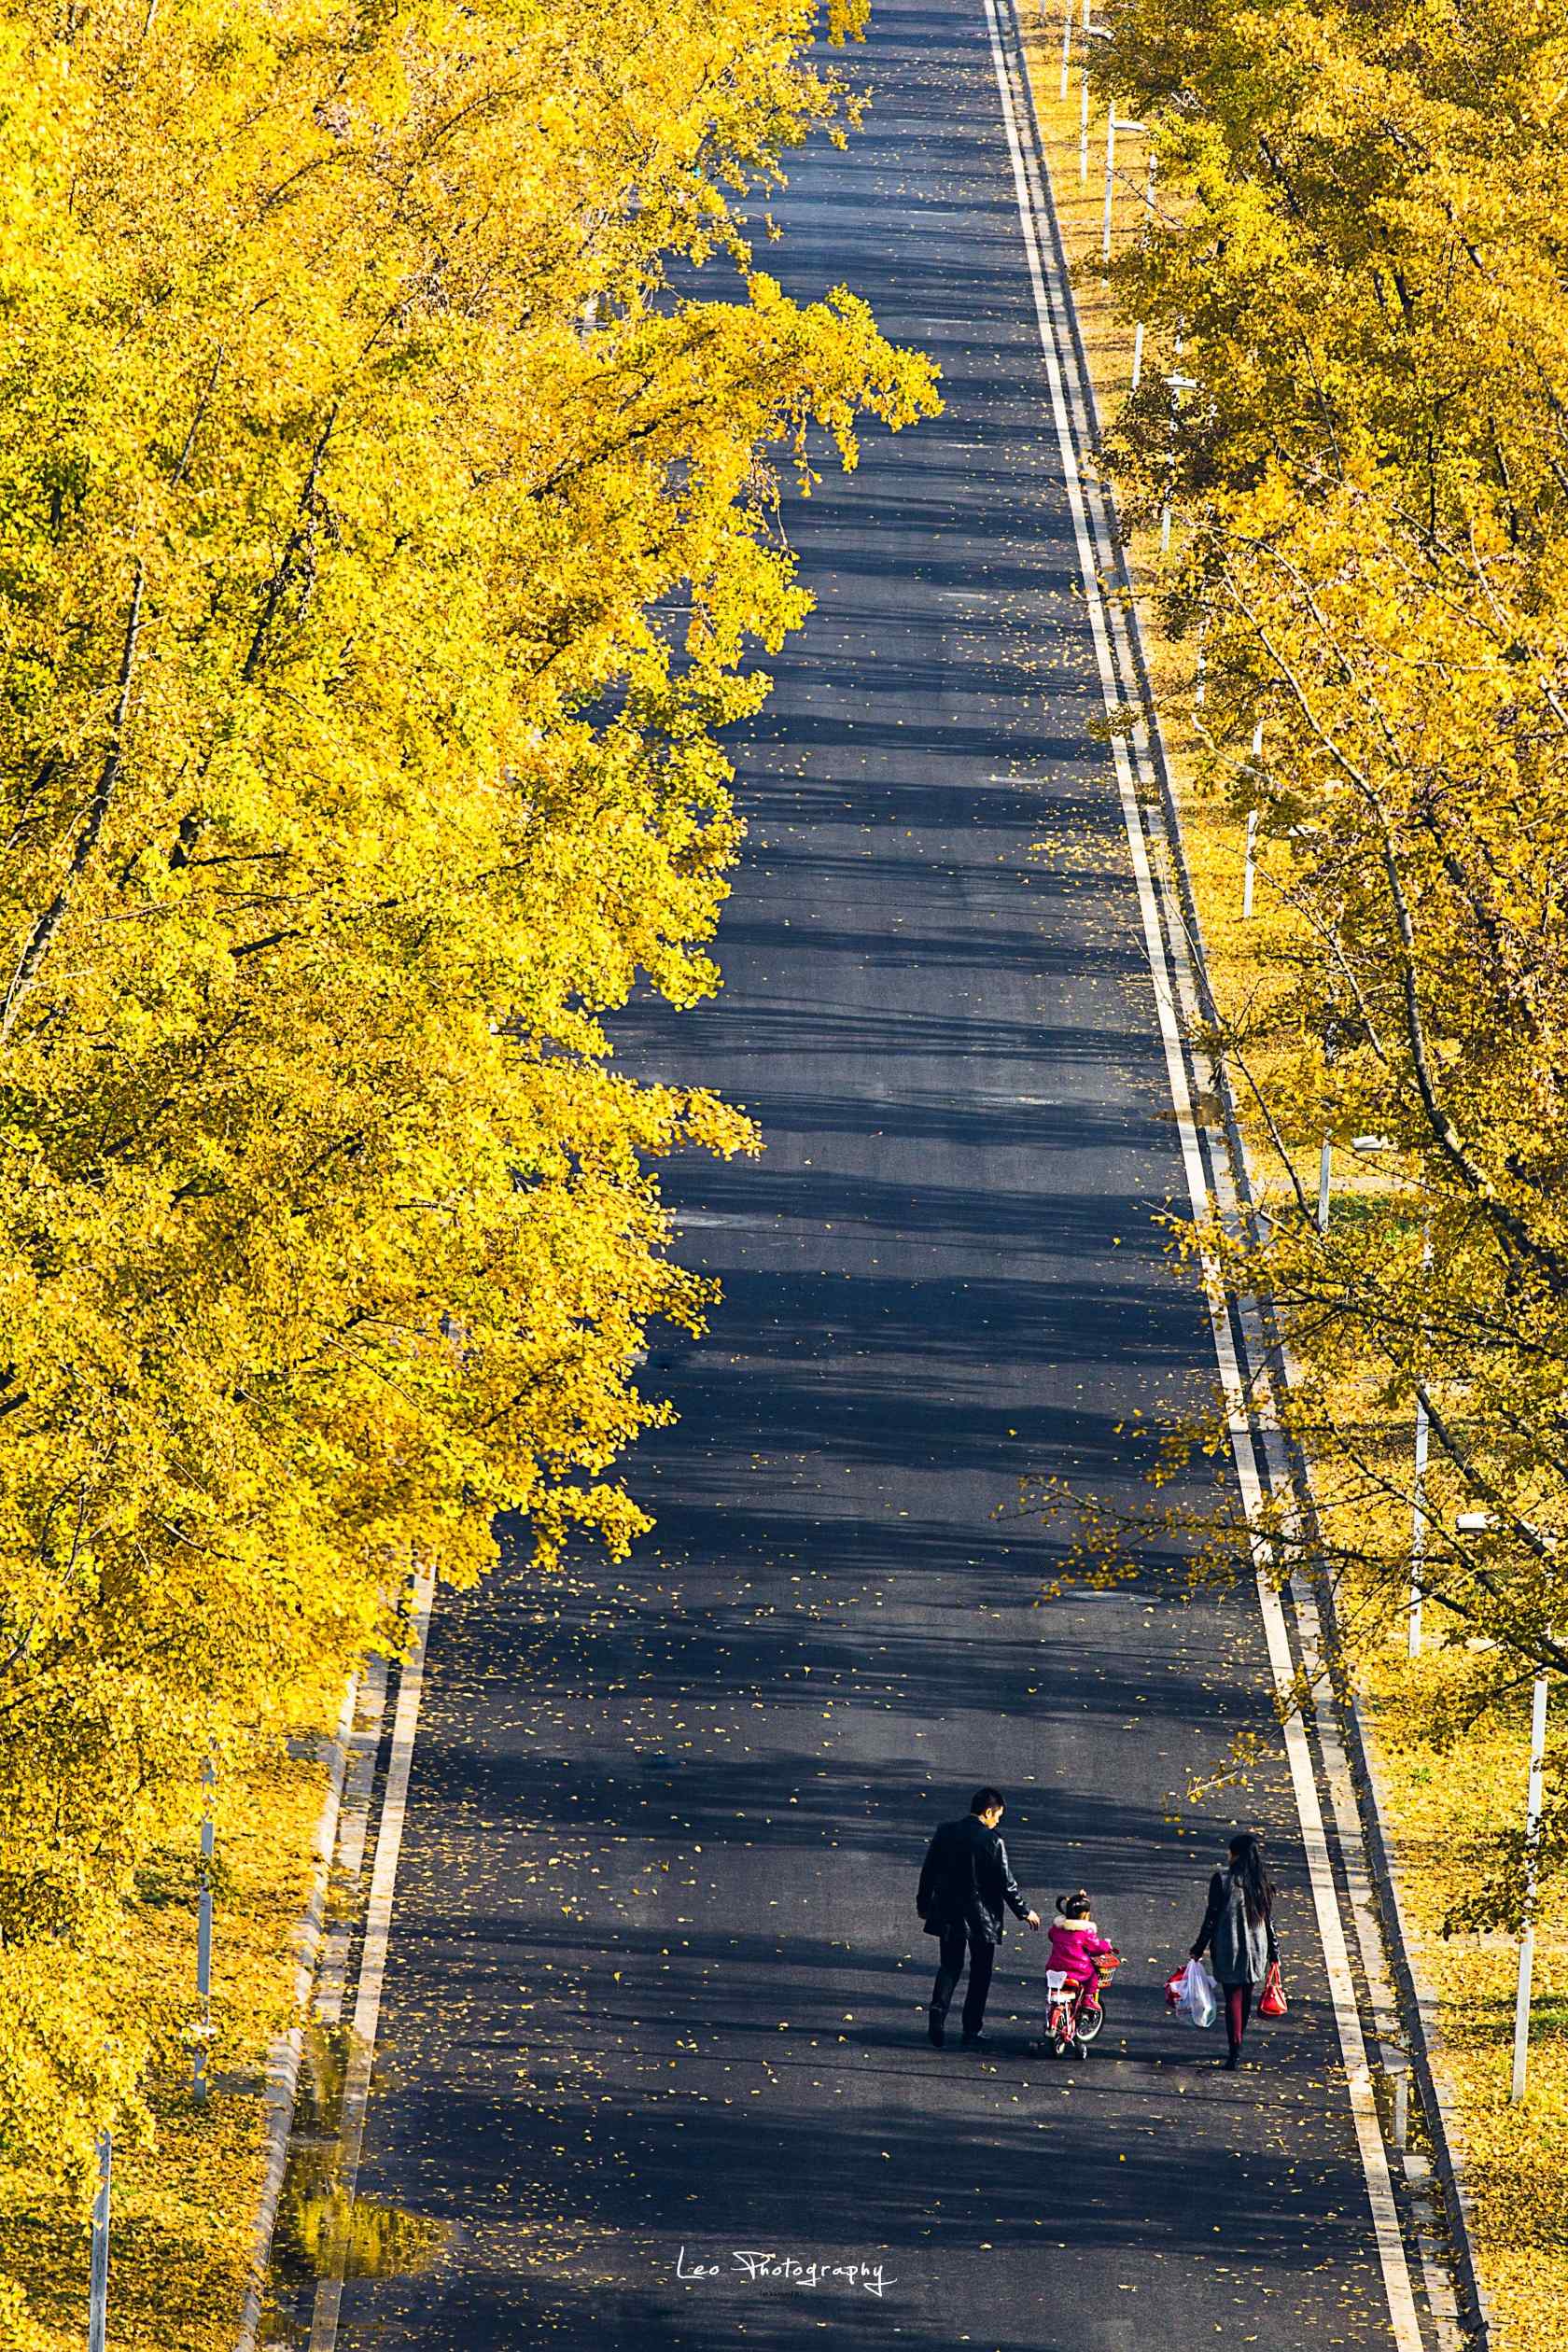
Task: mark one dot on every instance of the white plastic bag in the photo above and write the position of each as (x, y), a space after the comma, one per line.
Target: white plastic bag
(1197, 2000)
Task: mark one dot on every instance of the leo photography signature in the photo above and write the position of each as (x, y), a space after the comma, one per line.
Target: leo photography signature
(766, 2267)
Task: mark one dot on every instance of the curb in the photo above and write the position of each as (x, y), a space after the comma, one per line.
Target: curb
(283, 2071)
(1418, 2003)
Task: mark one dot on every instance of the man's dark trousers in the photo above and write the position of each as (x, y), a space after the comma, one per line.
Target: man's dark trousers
(982, 1958)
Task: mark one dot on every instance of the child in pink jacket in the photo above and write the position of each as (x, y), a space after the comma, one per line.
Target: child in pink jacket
(1075, 1942)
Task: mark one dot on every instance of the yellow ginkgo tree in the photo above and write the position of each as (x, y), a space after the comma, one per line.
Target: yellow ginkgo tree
(1357, 410)
(388, 526)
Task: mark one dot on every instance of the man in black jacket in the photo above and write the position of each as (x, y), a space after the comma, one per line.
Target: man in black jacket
(965, 1883)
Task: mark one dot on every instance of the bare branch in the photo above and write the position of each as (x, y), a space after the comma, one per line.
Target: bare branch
(53, 915)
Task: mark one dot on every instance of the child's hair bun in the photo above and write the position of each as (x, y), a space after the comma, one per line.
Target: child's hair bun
(1067, 1904)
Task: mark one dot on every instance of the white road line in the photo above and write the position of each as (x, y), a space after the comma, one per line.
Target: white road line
(378, 1922)
(1067, 406)
(331, 1981)
(283, 2070)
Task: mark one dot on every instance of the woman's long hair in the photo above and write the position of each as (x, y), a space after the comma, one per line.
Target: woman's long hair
(1246, 1866)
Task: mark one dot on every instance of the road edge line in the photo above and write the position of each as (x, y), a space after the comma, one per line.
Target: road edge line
(378, 1926)
(283, 2069)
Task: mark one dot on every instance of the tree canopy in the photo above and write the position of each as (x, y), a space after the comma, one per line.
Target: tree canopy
(1356, 279)
(387, 527)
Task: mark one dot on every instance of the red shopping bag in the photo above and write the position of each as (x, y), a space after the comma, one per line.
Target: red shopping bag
(1271, 2002)
(1173, 1985)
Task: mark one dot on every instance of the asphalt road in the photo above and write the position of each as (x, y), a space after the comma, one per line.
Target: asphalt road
(656, 1984)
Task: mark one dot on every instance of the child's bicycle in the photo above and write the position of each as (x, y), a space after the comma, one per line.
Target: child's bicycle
(1070, 2024)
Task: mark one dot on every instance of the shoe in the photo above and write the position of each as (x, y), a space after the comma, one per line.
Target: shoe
(1233, 2061)
(973, 2041)
(936, 2034)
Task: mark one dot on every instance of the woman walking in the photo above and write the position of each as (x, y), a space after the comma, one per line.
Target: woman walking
(1238, 1929)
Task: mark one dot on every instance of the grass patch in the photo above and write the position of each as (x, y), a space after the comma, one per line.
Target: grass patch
(186, 2196)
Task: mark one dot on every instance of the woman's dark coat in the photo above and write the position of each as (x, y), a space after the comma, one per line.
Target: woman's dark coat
(1240, 1948)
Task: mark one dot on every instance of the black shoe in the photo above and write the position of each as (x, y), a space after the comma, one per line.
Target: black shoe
(1233, 2061)
(973, 2041)
(936, 2034)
